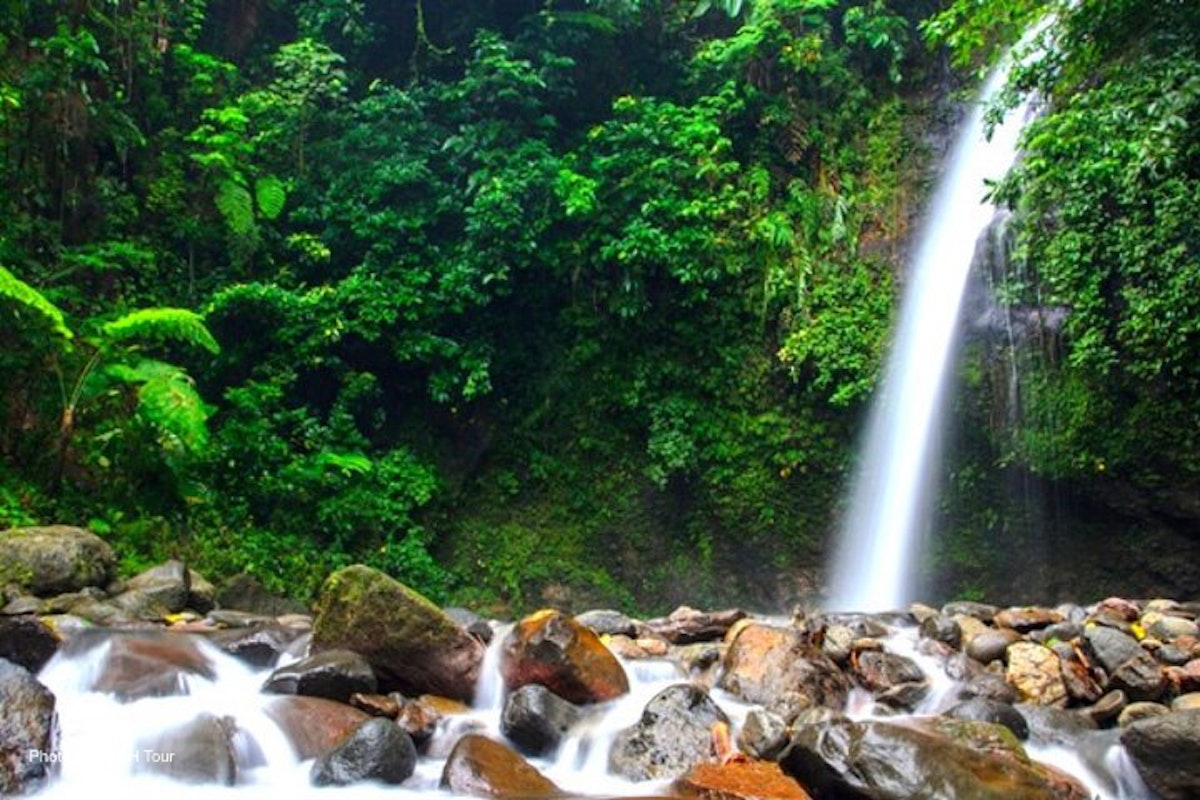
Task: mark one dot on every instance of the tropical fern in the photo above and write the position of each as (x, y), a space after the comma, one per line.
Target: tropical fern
(237, 207)
(168, 402)
(271, 194)
(25, 296)
(162, 324)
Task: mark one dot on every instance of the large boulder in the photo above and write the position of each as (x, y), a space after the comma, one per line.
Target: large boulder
(412, 646)
(1166, 752)
(536, 720)
(1111, 647)
(551, 649)
(156, 592)
(54, 559)
(199, 751)
(875, 760)
(28, 730)
(377, 750)
(481, 767)
(245, 592)
(333, 674)
(27, 641)
(778, 669)
(143, 664)
(313, 725)
(674, 734)
(686, 625)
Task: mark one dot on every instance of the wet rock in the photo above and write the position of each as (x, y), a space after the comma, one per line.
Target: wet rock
(902, 698)
(157, 592)
(981, 611)
(553, 650)
(260, 646)
(701, 661)
(1136, 712)
(606, 622)
(1057, 725)
(763, 734)
(982, 710)
(54, 559)
(537, 720)
(673, 734)
(1107, 708)
(25, 604)
(1118, 607)
(333, 674)
(1166, 752)
(890, 761)
(420, 717)
(1036, 673)
(880, 672)
(1059, 631)
(245, 593)
(139, 665)
(483, 631)
(1172, 655)
(313, 725)
(480, 767)
(376, 750)
(1169, 628)
(779, 670)
(376, 705)
(1186, 702)
(1140, 677)
(838, 643)
(200, 751)
(942, 629)
(1110, 647)
(739, 780)
(27, 641)
(1078, 679)
(991, 645)
(1027, 618)
(28, 723)
(412, 646)
(687, 625)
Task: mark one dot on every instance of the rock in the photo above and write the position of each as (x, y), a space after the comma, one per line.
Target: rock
(412, 646)
(420, 718)
(244, 592)
(1107, 708)
(891, 761)
(1186, 678)
(28, 724)
(1169, 628)
(54, 559)
(1166, 752)
(981, 710)
(942, 629)
(739, 780)
(880, 672)
(1136, 712)
(377, 705)
(138, 665)
(674, 734)
(157, 592)
(779, 670)
(27, 641)
(553, 650)
(24, 605)
(202, 595)
(970, 628)
(1111, 647)
(536, 720)
(763, 734)
(1055, 725)
(838, 644)
(651, 647)
(1186, 702)
(980, 611)
(1027, 618)
(1059, 631)
(701, 661)
(1173, 655)
(229, 618)
(480, 767)
(259, 646)
(333, 674)
(1078, 679)
(991, 645)
(606, 622)
(483, 631)
(200, 751)
(1118, 607)
(376, 750)
(1140, 677)
(687, 625)
(1036, 673)
(313, 725)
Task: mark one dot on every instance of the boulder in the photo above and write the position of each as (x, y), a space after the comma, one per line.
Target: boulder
(763, 734)
(1036, 673)
(981, 611)
(1141, 678)
(880, 672)
(606, 622)
(149, 664)
(1111, 647)
(1166, 752)
(553, 650)
(199, 751)
(54, 559)
(687, 625)
(779, 670)
(942, 629)
(27, 641)
(481, 767)
(157, 592)
(674, 734)
(536, 720)
(739, 780)
(333, 674)
(991, 645)
(982, 710)
(377, 750)
(1136, 712)
(879, 760)
(28, 725)
(244, 592)
(258, 646)
(1027, 618)
(412, 646)
(313, 725)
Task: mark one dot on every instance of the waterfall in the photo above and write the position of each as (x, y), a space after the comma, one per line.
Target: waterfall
(892, 492)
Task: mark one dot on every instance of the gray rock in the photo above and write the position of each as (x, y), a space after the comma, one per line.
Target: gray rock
(333, 674)
(537, 720)
(838, 643)
(160, 590)
(1136, 712)
(259, 646)
(377, 750)
(1054, 725)
(244, 592)
(1107, 708)
(880, 672)
(1166, 752)
(980, 611)
(673, 735)
(27, 641)
(54, 559)
(763, 735)
(200, 751)
(1140, 677)
(1111, 647)
(981, 710)
(606, 622)
(28, 724)
(991, 645)
(1168, 628)
(942, 629)
(778, 669)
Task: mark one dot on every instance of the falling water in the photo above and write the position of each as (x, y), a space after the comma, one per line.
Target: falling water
(892, 493)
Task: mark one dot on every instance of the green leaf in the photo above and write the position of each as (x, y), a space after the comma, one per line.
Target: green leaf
(25, 296)
(236, 206)
(271, 194)
(163, 324)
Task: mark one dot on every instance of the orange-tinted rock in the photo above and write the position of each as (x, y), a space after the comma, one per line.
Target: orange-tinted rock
(779, 669)
(481, 767)
(687, 625)
(1028, 618)
(376, 705)
(146, 665)
(552, 649)
(314, 725)
(745, 780)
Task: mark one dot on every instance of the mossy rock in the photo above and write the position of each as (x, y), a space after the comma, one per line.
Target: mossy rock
(54, 559)
(412, 645)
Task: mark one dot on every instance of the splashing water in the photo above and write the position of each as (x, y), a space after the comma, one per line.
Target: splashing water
(891, 496)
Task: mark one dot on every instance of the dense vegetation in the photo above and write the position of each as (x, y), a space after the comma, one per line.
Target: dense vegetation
(536, 297)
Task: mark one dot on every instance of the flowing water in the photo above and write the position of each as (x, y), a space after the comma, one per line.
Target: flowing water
(890, 500)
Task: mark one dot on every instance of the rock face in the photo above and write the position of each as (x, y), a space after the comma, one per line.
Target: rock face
(480, 767)
(674, 734)
(333, 674)
(412, 646)
(890, 761)
(536, 719)
(377, 750)
(27, 724)
(553, 650)
(54, 559)
(1166, 752)
(778, 669)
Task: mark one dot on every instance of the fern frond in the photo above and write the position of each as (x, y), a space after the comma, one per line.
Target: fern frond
(168, 402)
(346, 463)
(163, 324)
(237, 207)
(271, 194)
(25, 296)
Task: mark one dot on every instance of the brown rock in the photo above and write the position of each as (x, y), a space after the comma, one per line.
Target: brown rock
(687, 625)
(480, 767)
(552, 649)
(376, 705)
(1035, 672)
(148, 664)
(777, 668)
(1027, 618)
(740, 780)
(1079, 682)
(1119, 608)
(313, 725)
